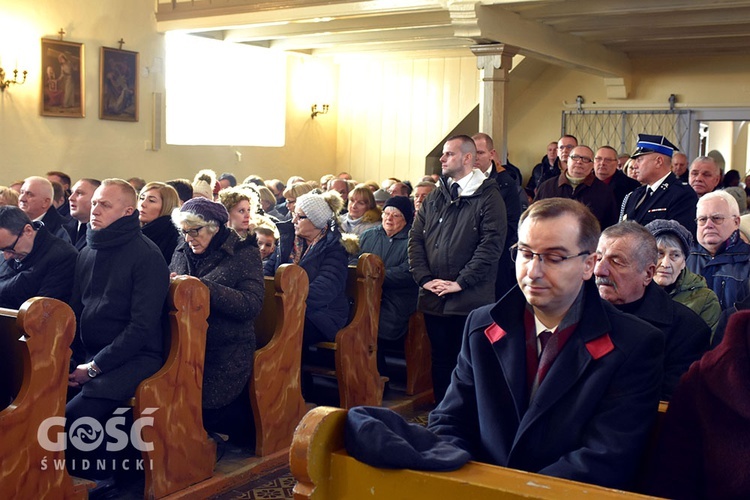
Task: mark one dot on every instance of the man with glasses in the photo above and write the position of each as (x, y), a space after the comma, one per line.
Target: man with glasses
(121, 283)
(579, 183)
(662, 195)
(719, 254)
(605, 169)
(551, 379)
(36, 263)
(565, 145)
(626, 259)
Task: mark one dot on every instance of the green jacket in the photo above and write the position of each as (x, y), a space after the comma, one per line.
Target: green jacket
(691, 290)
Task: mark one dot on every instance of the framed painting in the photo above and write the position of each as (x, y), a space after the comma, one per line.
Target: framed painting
(63, 79)
(118, 85)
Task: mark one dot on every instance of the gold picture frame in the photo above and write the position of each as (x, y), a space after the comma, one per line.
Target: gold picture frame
(118, 85)
(63, 78)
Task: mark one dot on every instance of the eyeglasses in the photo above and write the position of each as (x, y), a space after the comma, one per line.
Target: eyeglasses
(12, 248)
(568, 147)
(604, 160)
(297, 216)
(192, 232)
(526, 255)
(583, 159)
(717, 220)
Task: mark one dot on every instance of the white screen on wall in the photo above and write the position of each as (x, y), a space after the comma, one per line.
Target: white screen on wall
(221, 93)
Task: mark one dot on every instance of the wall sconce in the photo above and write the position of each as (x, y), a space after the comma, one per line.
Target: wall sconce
(7, 83)
(315, 111)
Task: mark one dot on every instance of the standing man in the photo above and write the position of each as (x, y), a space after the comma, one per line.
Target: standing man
(605, 169)
(662, 195)
(121, 283)
(454, 247)
(679, 166)
(704, 176)
(564, 146)
(35, 200)
(548, 168)
(421, 190)
(552, 379)
(80, 210)
(579, 183)
(626, 260)
(511, 193)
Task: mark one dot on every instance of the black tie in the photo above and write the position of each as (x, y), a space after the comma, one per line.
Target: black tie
(81, 233)
(454, 190)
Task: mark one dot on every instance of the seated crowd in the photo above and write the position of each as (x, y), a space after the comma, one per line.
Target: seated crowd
(554, 331)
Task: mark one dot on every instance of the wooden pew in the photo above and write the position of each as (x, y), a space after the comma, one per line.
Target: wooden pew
(356, 346)
(182, 453)
(275, 393)
(324, 470)
(418, 356)
(34, 363)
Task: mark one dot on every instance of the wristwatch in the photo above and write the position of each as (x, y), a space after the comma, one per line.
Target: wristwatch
(92, 372)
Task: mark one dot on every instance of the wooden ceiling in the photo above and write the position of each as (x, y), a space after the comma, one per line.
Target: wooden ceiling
(597, 36)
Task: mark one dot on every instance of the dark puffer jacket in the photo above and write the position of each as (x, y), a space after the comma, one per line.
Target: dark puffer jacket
(232, 272)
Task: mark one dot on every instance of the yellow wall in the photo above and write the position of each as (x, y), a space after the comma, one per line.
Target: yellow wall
(32, 144)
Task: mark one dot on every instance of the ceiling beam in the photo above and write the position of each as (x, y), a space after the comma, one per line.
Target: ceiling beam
(362, 37)
(495, 24)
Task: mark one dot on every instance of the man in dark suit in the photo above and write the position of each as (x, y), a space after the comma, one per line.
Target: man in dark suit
(605, 169)
(35, 199)
(625, 267)
(121, 282)
(662, 195)
(80, 210)
(552, 379)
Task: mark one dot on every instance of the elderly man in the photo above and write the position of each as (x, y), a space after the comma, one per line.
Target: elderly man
(512, 196)
(626, 261)
(579, 183)
(35, 200)
(719, 254)
(421, 191)
(662, 195)
(341, 186)
(679, 166)
(398, 189)
(455, 244)
(80, 210)
(704, 175)
(552, 379)
(36, 263)
(121, 283)
(605, 169)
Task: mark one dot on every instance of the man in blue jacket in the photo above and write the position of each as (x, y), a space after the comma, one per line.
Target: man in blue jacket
(552, 379)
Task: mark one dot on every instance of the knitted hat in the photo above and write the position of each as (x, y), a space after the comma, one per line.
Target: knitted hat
(404, 205)
(208, 210)
(202, 188)
(661, 227)
(316, 208)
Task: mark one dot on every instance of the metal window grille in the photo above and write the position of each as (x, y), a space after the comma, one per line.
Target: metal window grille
(620, 129)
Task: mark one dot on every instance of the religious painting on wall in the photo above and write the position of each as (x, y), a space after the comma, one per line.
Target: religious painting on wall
(118, 85)
(63, 79)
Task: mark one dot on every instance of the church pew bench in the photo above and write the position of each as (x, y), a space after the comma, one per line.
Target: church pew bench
(356, 345)
(182, 453)
(418, 356)
(324, 470)
(34, 363)
(275, 392)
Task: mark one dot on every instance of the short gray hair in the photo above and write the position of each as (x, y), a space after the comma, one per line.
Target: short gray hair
(734, 208)
(185, 219)
(644, 250)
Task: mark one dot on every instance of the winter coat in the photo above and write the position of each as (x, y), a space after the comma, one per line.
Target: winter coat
(162, 232)
(458, 240)
(591, 192)
(399, 289)
(691, 290)
(121, 283)
(47, 271)
(232, 273)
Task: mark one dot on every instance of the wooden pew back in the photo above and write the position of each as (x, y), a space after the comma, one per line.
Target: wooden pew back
(182, 453)
(275, 393)
(324, 470)
(356, 347)
(34, 359)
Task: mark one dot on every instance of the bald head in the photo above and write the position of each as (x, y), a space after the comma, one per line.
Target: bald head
(36, 196)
